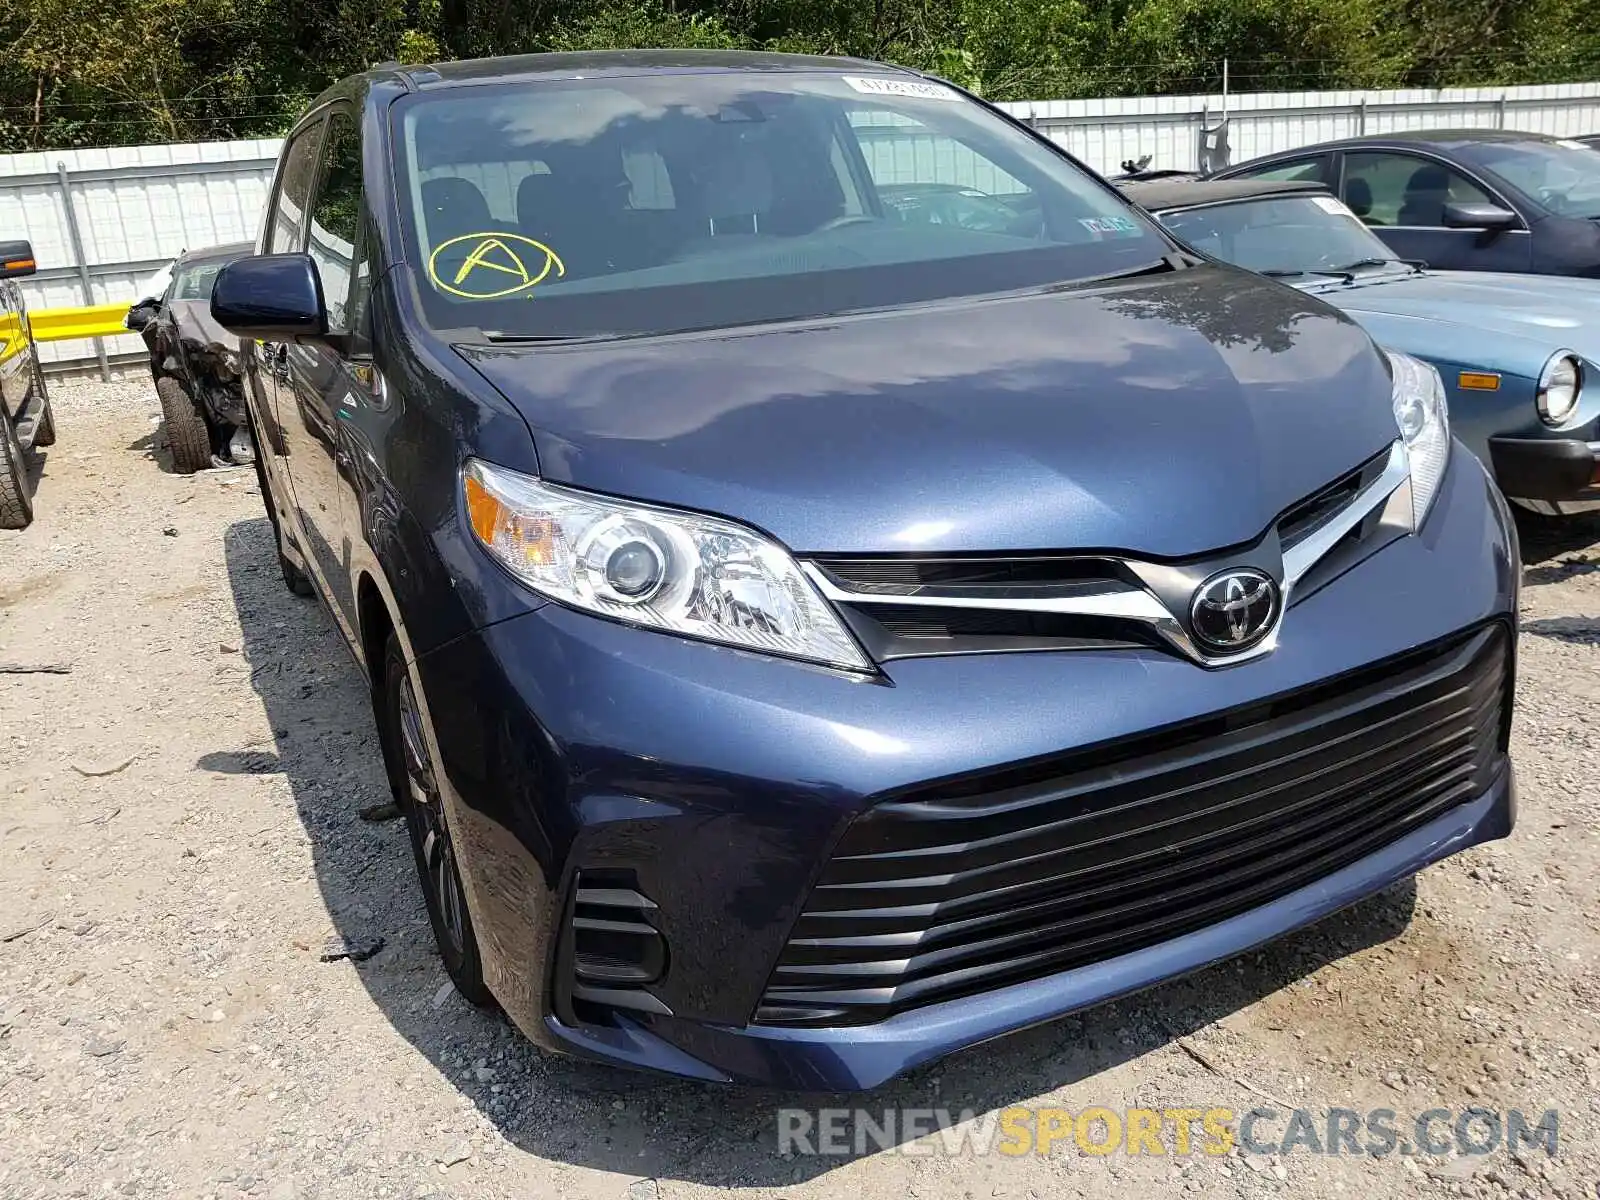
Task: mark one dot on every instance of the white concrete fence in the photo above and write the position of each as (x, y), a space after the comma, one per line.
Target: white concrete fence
(101, 220)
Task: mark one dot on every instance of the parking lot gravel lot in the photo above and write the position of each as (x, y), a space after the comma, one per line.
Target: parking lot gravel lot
(194, 808)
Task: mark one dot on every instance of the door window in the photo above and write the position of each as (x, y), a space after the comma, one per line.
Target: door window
(335, 220)
(1402, 189)
(359, 312)
(287, 231)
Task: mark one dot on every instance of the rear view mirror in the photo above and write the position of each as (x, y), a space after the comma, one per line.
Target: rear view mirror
(270, 298)
(1478, 216)
(16, 259)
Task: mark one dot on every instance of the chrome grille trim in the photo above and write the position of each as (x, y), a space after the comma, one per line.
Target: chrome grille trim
(1389, 492)
(1313, 548)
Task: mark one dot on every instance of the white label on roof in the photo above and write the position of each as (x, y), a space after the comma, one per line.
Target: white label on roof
(1329, 205)
(1572, 145)
(916, 89)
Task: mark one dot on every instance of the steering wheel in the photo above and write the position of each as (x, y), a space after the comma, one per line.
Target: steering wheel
(841, 222)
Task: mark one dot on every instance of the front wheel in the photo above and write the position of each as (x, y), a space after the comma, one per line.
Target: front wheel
(187, 435)
(414, 779)
(16, 506)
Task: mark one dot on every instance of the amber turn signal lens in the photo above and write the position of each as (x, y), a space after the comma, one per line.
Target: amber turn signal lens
(523, 538)
(483, 510)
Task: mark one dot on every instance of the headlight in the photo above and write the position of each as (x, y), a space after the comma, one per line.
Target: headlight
(1559, 385)
(679, 572)
(1419, 410)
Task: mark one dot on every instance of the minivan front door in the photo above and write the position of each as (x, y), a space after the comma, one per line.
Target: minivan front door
(319, 393)
(268, 372)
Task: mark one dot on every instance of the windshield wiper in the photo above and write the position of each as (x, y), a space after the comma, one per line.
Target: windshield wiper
(1286, 273)
(1414, 263)
(1167, 262)
(498, 338)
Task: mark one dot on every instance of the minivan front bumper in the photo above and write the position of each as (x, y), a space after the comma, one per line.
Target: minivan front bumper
(837, 1060)
(713, 785)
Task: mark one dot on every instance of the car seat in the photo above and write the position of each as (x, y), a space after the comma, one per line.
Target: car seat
(736, 194)
(574, 212)
(453, 207)
(1358, 196)
(1425, 195)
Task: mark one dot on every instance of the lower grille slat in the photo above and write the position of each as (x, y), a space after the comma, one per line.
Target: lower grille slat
(1122, 847)
(1211, 865)
(1223, 880)
(1176, 835)
(957, 889)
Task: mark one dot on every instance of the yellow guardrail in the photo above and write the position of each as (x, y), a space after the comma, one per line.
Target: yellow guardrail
(62, 324)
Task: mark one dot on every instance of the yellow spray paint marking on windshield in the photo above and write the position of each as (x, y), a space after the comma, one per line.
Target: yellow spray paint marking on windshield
(484, 273)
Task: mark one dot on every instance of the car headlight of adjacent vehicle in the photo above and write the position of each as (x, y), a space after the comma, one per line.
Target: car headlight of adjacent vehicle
(1560, 383)
(678, 572)
(1419, 410)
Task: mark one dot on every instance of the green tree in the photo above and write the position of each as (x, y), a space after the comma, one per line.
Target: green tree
(106, 72)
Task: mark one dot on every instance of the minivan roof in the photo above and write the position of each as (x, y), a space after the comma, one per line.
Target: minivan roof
(513, 68)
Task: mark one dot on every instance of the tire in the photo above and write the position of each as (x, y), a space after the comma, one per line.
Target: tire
(187, 435)
(44, 433)
(296, 580)
(412, 776)
(16, 506)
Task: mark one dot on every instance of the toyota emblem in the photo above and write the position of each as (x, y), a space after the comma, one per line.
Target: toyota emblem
(1234, 610)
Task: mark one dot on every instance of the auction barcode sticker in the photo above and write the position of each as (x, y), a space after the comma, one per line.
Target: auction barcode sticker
(913, 88)
(1329, 205)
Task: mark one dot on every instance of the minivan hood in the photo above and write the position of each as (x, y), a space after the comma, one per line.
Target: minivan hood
(1165, 416)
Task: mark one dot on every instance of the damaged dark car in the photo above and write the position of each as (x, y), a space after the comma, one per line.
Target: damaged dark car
(195, 364)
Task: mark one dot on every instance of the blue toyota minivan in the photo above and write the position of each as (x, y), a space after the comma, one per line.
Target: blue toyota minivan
(838, 583)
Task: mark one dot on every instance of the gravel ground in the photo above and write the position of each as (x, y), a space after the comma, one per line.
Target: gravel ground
(180, 832)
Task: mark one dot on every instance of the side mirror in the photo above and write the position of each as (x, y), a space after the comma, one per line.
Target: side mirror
(1478, 216)
(270, 298)
(16, 260)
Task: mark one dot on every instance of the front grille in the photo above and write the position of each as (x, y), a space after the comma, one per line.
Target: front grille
(888, 575)
(1305, 518)
(911, 624)
(980, 603)
(981, 882)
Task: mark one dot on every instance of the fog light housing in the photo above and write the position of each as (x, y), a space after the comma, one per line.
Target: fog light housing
(613, 949)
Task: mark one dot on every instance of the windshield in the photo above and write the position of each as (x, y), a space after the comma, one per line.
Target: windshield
(1280, 234)
(1564, 176)
(676, 201)
(194, 283)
